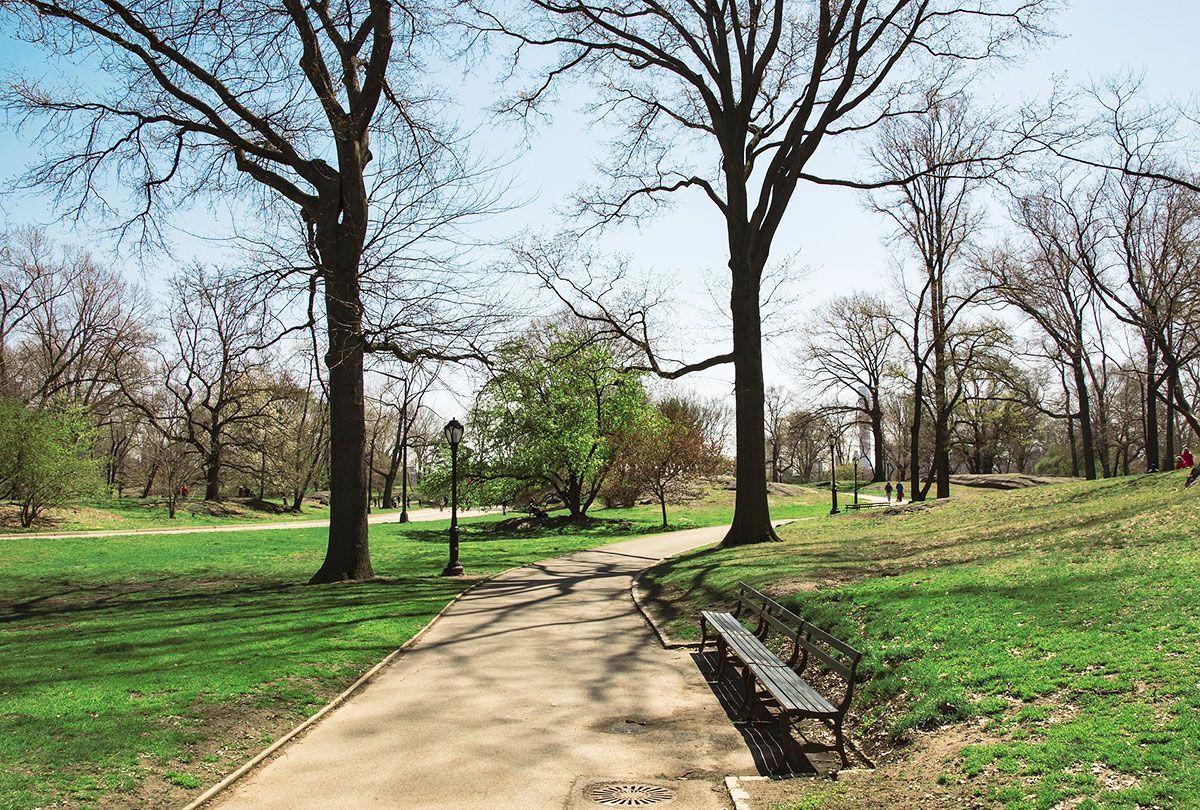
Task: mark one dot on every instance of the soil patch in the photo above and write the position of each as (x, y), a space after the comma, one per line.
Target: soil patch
(226, 736)
(925, 774)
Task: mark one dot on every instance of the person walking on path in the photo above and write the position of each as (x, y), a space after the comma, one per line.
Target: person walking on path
(887, 489)
(899, 491)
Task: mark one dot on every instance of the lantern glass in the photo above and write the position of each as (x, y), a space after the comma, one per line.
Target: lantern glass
(454, 432)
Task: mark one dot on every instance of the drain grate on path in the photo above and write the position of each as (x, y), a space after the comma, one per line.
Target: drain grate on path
(630, 795)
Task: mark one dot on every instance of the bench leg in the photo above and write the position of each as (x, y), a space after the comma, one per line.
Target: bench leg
(840, 738)
(703, 633)
(749, 693)
(720, 658)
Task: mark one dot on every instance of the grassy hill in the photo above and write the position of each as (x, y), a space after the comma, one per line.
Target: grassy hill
(1043, 644)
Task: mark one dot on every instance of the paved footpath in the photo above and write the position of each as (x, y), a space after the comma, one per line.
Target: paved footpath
(521, 697)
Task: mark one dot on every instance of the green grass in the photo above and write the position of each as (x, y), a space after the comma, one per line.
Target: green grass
(1066, 618)
(118, 514)
(171, 658)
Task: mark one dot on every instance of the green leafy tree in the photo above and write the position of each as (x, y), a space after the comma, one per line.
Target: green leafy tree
(45, 456)
(552, 414)
(476, 487)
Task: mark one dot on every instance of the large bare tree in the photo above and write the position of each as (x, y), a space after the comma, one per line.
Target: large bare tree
(734, 101)
(314, 105)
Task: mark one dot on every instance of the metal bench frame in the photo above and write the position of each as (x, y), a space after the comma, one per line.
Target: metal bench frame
(782, 678)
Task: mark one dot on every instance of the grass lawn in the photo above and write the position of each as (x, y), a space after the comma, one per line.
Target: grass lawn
(139, 670)
(101, 514)
(1059, 625)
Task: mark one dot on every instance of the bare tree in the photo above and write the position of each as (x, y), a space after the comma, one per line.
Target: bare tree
(404, 395)
(777, 405)
(211, 386)
(734, 101)
(1051, 283)
(1155, 288)
(314, 105)
(27, 257)
(849, 349)
(944, 156)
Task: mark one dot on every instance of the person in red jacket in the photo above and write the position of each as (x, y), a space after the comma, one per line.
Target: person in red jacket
(1186, 462)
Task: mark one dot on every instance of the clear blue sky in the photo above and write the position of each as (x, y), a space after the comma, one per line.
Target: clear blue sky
(828, 229)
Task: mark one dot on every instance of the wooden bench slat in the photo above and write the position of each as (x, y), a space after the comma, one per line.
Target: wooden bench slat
(792, 692)
(741, 641)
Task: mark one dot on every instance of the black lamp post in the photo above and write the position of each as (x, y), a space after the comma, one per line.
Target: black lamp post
(833, 475)
(454, 434)
(856, 481)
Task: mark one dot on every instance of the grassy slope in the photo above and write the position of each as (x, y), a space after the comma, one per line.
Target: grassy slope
(1064, 619)
(152, 665)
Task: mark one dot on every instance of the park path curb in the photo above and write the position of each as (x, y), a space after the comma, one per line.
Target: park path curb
(665, 640)
(232, 778)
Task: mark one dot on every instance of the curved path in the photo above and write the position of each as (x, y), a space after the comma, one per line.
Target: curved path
(536, 685)
(414, 515)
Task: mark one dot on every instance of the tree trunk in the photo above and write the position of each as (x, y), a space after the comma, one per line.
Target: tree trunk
(212, 476)
(150, 480)
(1150, 436)
(751, 513)
(914, 439)
(572, 496)
(879, 462)
(1086, 434)
(348, 554)
(662, 501)
(1169, 432)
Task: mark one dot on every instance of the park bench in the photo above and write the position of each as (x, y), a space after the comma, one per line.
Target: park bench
(784, 687)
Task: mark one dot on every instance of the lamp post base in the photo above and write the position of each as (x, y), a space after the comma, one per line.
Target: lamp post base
(404, 517)
(452, 570)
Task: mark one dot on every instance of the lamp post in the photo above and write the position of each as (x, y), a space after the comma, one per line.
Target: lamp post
(454, 434)
(856, 482)
(833, 475)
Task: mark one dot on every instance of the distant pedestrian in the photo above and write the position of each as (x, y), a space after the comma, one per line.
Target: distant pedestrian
(887, 489)
(899, 491)
(1186, 459)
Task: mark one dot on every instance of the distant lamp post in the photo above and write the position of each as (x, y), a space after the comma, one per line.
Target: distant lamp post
(833, 474)
(454, 434)
(856, 482)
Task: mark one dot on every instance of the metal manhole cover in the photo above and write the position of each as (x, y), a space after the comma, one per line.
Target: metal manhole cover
(630, 795)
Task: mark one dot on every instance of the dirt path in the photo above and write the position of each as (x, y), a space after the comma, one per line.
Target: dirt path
(414, 516)
(536, 687)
